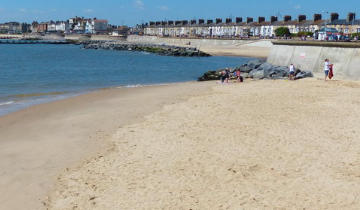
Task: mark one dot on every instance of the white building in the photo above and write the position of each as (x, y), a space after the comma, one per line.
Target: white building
(61, 26)
(51, 26)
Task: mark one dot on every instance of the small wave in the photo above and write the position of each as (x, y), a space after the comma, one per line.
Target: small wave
(7, 103)
(139, 85)
(133, 86)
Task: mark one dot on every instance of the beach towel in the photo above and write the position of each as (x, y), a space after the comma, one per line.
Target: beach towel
(331, 73)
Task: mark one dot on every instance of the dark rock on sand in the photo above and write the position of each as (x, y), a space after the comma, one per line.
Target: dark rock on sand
(257, 69)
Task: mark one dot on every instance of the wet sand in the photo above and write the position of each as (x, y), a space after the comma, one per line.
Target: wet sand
(258, 145)
(38, 143)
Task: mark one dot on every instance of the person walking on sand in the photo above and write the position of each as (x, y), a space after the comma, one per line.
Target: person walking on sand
(292, 72)
(222, 77)
(227, 75)
(326, 68)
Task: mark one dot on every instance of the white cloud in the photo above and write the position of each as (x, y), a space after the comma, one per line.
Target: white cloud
(164, 8)
(22, 10)
(88, 10)
(298, 6)
(139, 4)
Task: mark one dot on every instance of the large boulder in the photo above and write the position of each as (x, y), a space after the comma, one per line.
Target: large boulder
(277, 72)
(303, 74)
(245, 75)
(257, 74)
(245, 69)
(210, 75)
(254, 64)
(265, 67)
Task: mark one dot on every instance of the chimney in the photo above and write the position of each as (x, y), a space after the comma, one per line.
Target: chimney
(185, 22)
(249, 20)
(158, 23)
(201, 21)
(317, 17)
(261, 19)
(170, 22)
(210, 21)
(218, 20)
(287, 18)
(273, 19)
(334, 16)
(238, 19)
(350, 17)
(301, 18)
(151, 23)
(177, 22)
(163, 23)
(193, 22)
(228, 20)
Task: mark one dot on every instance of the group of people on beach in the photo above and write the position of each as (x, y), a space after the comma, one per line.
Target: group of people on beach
(328, 70)
(225, 76)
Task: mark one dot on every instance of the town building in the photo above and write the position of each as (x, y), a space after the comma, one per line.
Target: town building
(346, 26)
(61, 26)
(34, 27)
(248, 27)
(11, 28)
(51, 27)
(42, 27)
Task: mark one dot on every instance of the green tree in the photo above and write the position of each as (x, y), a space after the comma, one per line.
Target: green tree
(282, 31)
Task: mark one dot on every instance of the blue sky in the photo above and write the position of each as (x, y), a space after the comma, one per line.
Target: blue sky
(131, 12)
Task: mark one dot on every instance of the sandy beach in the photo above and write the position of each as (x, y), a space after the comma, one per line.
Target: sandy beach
(257, 145)
(38, 143)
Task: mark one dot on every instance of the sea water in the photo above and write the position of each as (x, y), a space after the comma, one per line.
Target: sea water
(38, 73)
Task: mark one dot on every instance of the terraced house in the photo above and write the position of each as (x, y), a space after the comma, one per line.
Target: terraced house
(248, 27)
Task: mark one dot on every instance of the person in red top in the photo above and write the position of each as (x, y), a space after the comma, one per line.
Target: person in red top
(238, 77)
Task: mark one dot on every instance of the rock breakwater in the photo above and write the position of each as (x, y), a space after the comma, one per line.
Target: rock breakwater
(257, 69)
(164, 50)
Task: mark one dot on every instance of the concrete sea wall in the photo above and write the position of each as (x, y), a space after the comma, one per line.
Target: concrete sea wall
(345, 57)
(248, 48)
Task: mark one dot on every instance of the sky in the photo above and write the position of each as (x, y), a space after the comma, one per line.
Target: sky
(132, 12)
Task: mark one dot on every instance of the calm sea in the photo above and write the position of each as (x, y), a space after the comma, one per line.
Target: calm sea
(33, 74)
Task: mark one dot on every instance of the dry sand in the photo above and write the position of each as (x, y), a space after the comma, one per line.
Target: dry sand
(38, 143)
(257, 145)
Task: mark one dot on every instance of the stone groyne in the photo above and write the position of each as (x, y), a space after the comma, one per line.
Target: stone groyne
(235, 47)
(165, 50)
(311, 56)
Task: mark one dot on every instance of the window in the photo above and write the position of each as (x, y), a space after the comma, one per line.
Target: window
(358, 30)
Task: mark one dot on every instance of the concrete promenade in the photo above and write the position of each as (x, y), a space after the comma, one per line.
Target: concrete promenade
(311, 56)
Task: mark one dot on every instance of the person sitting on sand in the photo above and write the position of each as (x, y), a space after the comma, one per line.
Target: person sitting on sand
(238, 77)
(292, 72)
(326, 68)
